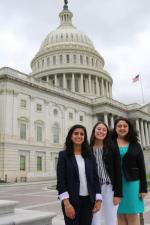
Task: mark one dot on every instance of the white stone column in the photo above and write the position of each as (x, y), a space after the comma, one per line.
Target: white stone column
(64, 81)
(90, 84)
(102, 87)
(15, 113)
(73, 83)
(81, 84)
(106, 118)
(107, 89)
(86, 84)
(149, 129)
(146, 133)
(31, 125)
(142, 134)
(56, 80)
(97, 87)
(47, 78)
(138, 129)
(110, 91)
(47, 122)
(112, 121)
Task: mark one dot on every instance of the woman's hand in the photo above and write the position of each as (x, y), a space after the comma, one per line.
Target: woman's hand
(142, 195)
(116, 200)
(69, 211)
(97, 206)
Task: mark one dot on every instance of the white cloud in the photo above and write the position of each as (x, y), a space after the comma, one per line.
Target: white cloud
(120, 30)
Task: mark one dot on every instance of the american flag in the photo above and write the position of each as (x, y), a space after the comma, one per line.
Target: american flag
(136, 78)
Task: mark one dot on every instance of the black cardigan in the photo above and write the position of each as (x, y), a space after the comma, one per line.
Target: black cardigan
(112, 161)
(133, 165)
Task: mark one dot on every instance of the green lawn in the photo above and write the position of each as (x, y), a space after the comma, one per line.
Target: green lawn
(148, 176)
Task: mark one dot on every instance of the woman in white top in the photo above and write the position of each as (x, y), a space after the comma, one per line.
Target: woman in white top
(77, 179)
(109, 171)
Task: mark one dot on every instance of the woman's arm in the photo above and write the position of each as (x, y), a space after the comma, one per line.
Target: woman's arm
(62, 188)
(61, 176)
(142, 170)
(117, 172)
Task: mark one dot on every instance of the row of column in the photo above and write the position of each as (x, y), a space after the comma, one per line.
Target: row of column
(142, 127)
(83, 83)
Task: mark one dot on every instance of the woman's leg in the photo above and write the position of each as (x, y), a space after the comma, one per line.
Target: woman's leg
(122, 219)
(110, 210)
(85, 215)
(133, 219)
(97, 218)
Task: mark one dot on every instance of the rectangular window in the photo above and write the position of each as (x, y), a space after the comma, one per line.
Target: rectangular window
(81, 59)
(39, 163)
(23, 103)
(92, 62)
(39, 133)
(81, 118)
(61, 59)
(56, 138)
(42, 62)
(71, 116)
(54, 60)
(39, 107)
(22, 163)
(48, 62)
(74, 59)
(23, 131)
(87, 60)
(67, 58)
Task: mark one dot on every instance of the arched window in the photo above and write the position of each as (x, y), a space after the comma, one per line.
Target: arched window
(56, 133)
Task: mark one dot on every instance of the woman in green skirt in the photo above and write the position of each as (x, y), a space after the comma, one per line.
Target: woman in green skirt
(125, 138)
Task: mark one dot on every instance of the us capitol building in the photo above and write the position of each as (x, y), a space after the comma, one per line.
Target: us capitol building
(67, 85)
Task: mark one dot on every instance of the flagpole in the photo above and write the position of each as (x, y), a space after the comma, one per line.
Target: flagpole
(141, 88)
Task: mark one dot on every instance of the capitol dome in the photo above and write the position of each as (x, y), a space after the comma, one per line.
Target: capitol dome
(67, 58)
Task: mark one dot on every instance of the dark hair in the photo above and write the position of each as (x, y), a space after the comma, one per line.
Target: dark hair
(106, 139)
(131, 136)
(85, 148)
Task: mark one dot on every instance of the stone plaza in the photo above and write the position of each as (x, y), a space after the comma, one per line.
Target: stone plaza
(42, 196)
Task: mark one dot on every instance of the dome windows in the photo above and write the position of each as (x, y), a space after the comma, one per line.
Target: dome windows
(61, 59)
(74, 59)
(81, 59)
(54, 60)
(87, 60)
(67, 58)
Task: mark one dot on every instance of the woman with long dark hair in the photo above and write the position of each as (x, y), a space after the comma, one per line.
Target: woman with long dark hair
(77, 179)
(125, 139)
(109, 171)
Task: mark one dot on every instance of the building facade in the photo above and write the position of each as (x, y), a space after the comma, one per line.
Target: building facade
(67, 85)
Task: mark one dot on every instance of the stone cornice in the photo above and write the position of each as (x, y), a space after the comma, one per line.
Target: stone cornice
(44, 86)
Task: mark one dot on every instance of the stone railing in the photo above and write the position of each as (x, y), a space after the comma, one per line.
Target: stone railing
(9, 215)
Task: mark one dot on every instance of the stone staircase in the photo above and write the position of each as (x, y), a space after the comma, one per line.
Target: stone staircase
(10, 215)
